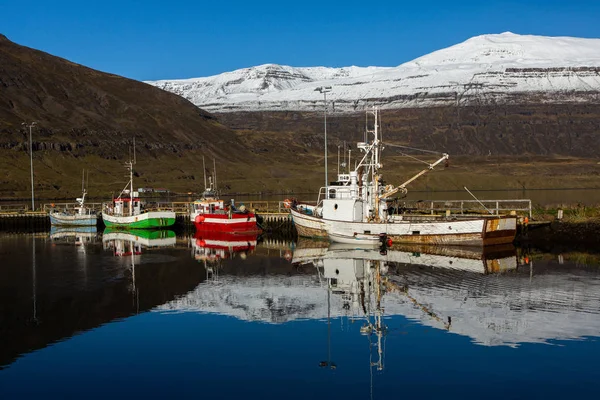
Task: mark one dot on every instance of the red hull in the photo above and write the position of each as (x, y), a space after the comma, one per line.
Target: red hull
(222, 223)
(226, 241)
(215, 246)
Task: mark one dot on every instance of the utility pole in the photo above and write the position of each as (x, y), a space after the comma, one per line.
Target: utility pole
(30, 126)
(325, 90)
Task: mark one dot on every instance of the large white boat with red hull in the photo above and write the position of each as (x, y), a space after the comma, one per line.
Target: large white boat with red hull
(358, 208)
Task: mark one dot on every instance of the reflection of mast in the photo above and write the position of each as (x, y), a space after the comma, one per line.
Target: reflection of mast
(212, 270)
(136, 295)
(34, 281)
(375, 326)
(328, 363)
(123, 248)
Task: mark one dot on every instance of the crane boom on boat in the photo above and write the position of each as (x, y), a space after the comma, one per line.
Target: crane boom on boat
(390, 190)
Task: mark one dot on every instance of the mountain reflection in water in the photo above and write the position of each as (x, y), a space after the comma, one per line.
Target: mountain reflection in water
(489, 296)
(226, 307)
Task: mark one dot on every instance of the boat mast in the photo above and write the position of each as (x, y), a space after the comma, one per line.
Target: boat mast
(375, 163)
(204, 168)
(130, 187)
(215, 172)
(338, 161)
(131, 162)
(83, 192)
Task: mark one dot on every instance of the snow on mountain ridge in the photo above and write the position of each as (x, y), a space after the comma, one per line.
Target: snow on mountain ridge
(493, 67)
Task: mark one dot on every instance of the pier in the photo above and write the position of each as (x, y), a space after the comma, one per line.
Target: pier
(273, 216)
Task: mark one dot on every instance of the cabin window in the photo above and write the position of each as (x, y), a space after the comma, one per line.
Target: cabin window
(416, 232)
(332, 193)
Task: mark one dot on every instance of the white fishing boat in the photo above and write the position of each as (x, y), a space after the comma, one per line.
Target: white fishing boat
(358, 206)
(74, 234)
(80, 215)
(126, 211)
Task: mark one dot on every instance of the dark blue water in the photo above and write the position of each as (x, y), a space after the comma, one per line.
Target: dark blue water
(170, 318)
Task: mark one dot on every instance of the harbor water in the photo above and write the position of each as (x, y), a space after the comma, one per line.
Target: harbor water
(132, 315)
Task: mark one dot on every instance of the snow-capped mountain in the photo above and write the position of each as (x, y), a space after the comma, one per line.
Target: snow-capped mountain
(488, 68)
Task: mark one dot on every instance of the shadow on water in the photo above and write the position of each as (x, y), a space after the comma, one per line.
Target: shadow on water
(56, 285)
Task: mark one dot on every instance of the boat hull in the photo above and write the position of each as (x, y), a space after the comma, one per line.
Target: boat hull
(225, 223)
(147, 238)
(480, 231)
(148, 220)
(309, 226)
(358, 240)
(60, 219)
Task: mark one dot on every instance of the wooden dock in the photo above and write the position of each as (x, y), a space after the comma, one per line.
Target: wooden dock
(19, 218)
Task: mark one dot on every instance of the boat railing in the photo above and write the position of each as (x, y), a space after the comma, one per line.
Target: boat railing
(70, 207)
(14, 208)
(465, 207)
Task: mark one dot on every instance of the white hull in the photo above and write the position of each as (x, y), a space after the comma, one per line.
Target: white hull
(144, 241)
(61, 219)
(356, 239)
(134, 220)
(478, 231)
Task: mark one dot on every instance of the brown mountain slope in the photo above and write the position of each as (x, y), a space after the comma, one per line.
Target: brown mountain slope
(84, 115)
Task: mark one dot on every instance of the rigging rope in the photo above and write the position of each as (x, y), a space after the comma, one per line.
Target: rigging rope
(413, 148)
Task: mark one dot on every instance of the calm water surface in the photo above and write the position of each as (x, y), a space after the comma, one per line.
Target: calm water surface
(95, 315)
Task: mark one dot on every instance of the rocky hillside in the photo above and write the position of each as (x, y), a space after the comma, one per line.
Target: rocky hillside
(85, 115)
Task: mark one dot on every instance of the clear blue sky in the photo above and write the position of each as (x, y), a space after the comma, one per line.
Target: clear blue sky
(151, 39)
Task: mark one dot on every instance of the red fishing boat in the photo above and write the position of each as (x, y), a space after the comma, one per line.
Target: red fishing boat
(210, 213)
(214, 246)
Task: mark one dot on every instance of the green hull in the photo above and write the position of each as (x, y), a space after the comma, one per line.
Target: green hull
(149, 223)
(146, 234)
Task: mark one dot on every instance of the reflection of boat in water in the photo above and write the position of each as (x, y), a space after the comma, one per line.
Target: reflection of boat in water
(487, 296)
(129, 245)
(481, 260)
(143, 237)
(214, 246)
(77, 234)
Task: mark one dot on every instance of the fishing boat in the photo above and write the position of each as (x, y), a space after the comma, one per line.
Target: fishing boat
(80, 215)
(358, 205)
(73, 234)
(126, 210)
(141, 237)
(212, 246)
(210, 213)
